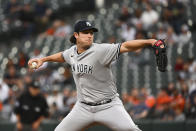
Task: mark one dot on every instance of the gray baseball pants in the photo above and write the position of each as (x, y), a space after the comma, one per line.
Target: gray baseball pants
(112, 114)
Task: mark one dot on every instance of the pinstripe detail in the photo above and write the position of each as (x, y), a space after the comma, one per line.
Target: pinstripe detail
(118, 50)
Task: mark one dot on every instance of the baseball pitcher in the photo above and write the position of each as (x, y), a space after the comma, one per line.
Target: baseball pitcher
(97, 97)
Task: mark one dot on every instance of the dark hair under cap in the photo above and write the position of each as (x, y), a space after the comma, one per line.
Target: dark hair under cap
(72, 39)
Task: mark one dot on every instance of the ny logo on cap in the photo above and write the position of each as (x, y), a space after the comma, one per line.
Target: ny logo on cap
(88, 24)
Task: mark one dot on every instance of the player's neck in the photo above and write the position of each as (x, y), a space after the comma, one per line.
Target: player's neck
(81, 49)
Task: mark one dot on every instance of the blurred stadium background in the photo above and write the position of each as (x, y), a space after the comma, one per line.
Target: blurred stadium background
(156, 101)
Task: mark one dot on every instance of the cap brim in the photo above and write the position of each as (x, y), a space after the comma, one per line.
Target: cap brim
(90, 28)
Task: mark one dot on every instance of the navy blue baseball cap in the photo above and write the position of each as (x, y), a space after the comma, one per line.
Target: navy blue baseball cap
(83, 25)
(80, 26)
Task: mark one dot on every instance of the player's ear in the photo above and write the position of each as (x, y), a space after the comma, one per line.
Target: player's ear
(76, 34)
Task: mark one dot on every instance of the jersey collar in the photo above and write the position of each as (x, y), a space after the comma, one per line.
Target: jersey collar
(76, 51)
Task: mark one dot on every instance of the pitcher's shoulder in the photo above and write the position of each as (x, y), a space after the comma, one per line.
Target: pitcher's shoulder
(72, 48)
(100, 45)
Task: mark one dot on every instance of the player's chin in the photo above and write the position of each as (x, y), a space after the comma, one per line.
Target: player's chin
(88, 43)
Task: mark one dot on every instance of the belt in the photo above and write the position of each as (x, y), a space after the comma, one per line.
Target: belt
(98, 103)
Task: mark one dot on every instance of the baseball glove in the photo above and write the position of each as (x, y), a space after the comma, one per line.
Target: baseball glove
(160, 51)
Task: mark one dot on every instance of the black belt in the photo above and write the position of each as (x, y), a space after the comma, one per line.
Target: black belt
(98, 103)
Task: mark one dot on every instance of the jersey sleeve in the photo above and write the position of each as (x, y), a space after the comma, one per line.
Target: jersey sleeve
(109, 53)
(65, 55)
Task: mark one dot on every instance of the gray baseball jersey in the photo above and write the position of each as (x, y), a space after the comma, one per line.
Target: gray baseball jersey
(94, 82)
(92, 71)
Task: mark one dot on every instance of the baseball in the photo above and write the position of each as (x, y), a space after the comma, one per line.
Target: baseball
(34, 65)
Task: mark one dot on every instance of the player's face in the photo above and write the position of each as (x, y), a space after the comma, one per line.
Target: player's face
(85, 38)
(34, 91)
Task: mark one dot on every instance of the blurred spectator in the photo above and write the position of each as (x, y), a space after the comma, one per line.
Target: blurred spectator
(12, 78)
(27, 79)
(161, 110)
(68, 79)
(10, 63)
(185, 2)
(40, 8)
(149, 99)
(162, 99)
(177, 101)
(136, 17)
(170, 88)
(161, 34)
(42, 15)
(72, 99)
(12, 10)
(184, 91)
(63, 30)
(27, 16)
(134, 97)
(139, 58)
(184, 74)
(126, 103)
(124, 16)
(179, 64)
(1, 107)
(7, 110)
(23, 60)
(4, 91)
(192, 68)
(128, 32)
(63, 78)
(46, 79)
(185, 35)
(167, 114)
(179, 115)
(55, 113)
(162, 2)
(66, 95)
(171, 36)
(69, 99)
(141, 33)
(56, 97)
(190, 109)
(37, 54)
(53, 28)
(176, 14)
(30, 109)
(6, 101)
(57, 77)
(192, 96)
(140, 110)
(149, 17)
(112, 39)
